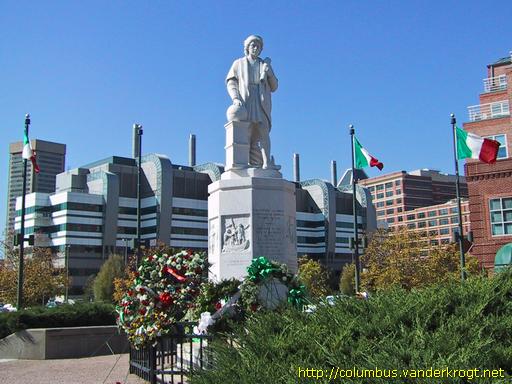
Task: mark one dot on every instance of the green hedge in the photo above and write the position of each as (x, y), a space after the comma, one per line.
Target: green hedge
(459, 326)
(83, 314)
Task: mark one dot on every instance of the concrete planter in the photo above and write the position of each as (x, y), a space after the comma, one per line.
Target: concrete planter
(63, 343)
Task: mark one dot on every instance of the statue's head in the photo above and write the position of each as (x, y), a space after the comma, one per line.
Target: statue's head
(253, 39)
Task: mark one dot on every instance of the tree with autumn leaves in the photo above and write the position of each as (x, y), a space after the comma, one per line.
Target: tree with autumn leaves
(42, 279)
(314, 276)
(407, 259)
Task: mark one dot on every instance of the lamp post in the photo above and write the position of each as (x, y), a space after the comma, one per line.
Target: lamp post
(125, 251)
(66, 265)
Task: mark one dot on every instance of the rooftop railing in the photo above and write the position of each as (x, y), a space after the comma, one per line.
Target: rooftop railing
(489, 111)
(494, 84)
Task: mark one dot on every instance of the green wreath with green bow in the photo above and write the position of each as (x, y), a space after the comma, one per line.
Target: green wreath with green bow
(260, 273)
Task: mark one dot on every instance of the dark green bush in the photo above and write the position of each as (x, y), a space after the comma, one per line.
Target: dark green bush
(459, 326)
(78, 315)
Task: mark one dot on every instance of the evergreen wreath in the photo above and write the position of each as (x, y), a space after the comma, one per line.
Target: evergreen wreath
(164, 288)
(261, 273)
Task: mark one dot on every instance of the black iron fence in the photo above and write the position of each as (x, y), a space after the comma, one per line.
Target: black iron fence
(173, 357)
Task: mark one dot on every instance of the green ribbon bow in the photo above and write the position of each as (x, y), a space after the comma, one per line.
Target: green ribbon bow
(297, 296)
(260, 269)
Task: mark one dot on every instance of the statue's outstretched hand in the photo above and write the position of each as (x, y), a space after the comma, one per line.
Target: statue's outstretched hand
(237, 102)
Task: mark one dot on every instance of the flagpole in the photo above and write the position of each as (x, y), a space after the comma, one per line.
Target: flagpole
(19, 301)
(138, 128)
(354, 210)
(459, 236)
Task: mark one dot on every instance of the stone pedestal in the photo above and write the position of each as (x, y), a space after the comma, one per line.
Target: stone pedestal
(237, 145)
(250, 217)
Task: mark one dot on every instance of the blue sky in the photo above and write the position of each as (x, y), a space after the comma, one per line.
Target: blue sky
(86, 71)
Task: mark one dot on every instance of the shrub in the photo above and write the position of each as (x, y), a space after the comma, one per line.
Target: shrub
(314, 276)
(347, 279)
(455, 325)
(78, 315)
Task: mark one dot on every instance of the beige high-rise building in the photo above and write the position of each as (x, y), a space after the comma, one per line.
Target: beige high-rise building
(51, 160)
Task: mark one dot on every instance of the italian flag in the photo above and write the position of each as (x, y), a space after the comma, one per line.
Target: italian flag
(473, 146)
(28, 153)
(363, 158)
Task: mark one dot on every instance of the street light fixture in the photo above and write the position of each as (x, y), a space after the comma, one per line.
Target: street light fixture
(66, 265)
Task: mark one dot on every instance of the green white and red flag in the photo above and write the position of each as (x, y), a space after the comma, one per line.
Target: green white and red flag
(28, 153)
(473, 146)
(363, 158)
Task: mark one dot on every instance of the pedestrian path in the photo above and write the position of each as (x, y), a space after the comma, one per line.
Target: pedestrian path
(110, 369)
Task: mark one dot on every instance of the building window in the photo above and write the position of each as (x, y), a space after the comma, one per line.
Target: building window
(399, 209)
(443, 211)
(389, 193)
(371, 188)
(397, 182)
(501, 216)
(411, 226)
(389, 185)
(380, 204)
(502, 139)
(380, 187)
(444, 231)
(390, 220)
(434, 242)
(380, 195)
(454, 220)
(432, 223)
(380, 213)
(432, 213)
(390, 211)
(399, 201)
(400, 218)
(411, 217)
(443, 221)
(422, 224)
(389, 202)
(398, 191)
(421, 215)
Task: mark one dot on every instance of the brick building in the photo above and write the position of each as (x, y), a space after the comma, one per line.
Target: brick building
(440, 221)
(490, 185)
(397, 193)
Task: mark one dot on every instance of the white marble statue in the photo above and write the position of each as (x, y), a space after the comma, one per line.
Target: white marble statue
(250, 82)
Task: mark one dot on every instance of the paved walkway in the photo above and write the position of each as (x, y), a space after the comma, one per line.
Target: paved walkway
(92, 370)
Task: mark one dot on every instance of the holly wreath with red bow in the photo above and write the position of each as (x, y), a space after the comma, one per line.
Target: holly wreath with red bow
(164, 289)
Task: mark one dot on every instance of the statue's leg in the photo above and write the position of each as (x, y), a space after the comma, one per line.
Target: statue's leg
(265, 143)
(255, 158)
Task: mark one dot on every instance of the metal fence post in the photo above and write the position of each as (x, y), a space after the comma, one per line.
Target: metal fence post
(152, 364)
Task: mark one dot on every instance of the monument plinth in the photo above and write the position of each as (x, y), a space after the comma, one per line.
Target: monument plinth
(250, 217)
(251, 209)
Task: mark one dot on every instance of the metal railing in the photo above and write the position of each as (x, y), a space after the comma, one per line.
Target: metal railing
(489, 111)
(493, 84)
(173, 357)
